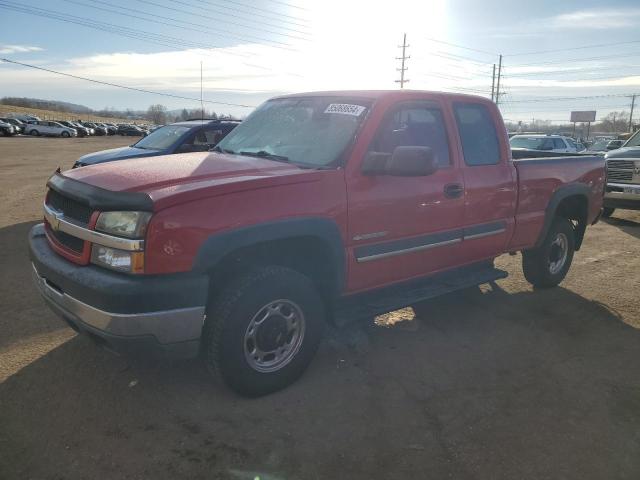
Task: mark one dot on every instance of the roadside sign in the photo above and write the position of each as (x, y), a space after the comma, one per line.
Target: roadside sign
(585, 116)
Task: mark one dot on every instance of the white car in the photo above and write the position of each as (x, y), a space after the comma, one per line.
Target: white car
(54, 129)
(549, 143)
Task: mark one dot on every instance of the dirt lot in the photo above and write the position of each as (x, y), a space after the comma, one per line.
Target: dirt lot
(501, 382)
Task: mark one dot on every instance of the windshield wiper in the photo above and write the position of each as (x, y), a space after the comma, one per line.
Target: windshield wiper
(265, 154)
(221, 150)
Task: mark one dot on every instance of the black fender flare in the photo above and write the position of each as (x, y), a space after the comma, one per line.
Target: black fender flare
(557, 197)
(219, 245)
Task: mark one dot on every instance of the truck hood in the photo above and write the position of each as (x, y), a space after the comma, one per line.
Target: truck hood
(116, 154)
(171, 179)
(624, 152)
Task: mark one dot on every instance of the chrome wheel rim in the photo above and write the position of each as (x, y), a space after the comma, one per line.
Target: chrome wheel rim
(558, 253)
(274, 336)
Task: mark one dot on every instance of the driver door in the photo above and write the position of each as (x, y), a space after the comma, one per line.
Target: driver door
(404, 227)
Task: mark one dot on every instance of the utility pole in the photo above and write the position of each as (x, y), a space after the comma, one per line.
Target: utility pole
(499, 75)
(493, 82)
(403, 58)
(633, 104)
(201, 101)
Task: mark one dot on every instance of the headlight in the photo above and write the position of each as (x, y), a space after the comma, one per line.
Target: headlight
(119, 260)
(124, 224)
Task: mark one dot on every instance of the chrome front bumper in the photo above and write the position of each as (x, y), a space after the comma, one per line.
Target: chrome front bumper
(169, 326)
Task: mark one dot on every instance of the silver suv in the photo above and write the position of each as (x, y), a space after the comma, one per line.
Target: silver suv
(53, 129)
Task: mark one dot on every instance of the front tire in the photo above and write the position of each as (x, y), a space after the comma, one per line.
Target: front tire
(263, 330)
(35, 133)
(607, 212)
(65, 134)
(547, 265)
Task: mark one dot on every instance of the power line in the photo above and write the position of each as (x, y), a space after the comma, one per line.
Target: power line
(582, 47)
(251, 7)
(459, 46)
(135, 89)
(227, 33)
(252, 11)
(218, 12)
(157, 39)
(573, 60)
(563, 99)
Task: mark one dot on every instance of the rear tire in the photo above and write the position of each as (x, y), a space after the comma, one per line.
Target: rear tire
(607, 212)
(547, 265)
(263, 329)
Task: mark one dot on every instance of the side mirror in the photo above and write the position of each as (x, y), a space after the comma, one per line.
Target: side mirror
(406, 161)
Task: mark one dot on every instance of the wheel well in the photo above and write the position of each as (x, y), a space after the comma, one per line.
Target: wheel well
(308, 255)
(575, 208)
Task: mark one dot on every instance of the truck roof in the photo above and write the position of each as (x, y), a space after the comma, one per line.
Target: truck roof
(380, 94)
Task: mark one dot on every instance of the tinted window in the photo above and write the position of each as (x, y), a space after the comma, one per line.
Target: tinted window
(478, 134)
(417, 126)
(161, 138)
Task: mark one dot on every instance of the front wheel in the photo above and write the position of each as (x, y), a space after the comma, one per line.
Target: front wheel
(547, 265)
(65, 134)
(607, 212)
(35, 133)
(263, 330)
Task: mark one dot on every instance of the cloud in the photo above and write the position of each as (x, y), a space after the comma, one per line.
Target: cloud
(597, 18)
(9, 49)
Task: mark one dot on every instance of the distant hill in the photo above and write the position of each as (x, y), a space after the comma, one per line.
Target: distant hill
(55, 105)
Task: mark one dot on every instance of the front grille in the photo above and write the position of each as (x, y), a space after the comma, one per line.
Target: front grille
(621, 164)
(72, 243)
(620, 175)
(70, 208)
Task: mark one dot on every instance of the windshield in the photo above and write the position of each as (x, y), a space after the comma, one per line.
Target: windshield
(312, 131)
(162, 138)
(532, 143)
(634, 141)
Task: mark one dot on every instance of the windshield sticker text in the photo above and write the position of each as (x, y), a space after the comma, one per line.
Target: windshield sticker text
(345, 109)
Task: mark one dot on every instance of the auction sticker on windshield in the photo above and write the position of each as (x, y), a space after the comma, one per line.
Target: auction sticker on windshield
(345, 109)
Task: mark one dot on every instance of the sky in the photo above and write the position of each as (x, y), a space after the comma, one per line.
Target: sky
(251, 50)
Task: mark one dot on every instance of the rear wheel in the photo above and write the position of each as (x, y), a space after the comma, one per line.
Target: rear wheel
(607, 212)
(262, 331)
(547, 265)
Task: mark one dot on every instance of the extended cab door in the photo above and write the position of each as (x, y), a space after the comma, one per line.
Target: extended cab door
(403, 227)
(489, 179)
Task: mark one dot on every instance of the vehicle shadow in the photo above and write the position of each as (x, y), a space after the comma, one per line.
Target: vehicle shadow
(491, 384)
(628, 226)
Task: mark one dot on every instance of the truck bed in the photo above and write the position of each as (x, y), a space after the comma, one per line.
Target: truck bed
(539, 178)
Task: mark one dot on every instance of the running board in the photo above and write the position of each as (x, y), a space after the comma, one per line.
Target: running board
(370, 304)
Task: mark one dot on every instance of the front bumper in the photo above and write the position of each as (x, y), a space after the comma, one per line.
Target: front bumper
(615, 197)
(154, 314)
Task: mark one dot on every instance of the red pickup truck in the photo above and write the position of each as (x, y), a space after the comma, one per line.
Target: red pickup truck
(320, 207)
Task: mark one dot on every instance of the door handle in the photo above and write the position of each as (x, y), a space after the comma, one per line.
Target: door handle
(453, 190)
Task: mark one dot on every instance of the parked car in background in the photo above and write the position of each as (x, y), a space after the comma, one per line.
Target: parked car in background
(6, 129)
(615, 144)
(51, 129)
(320, 207)
(25, 118)
(548, 143)
(98, 130)
(623, 177)
(110, 129)
(598, 146)
(82, 131)
(181, 137)
(18, 126)
(130, 131)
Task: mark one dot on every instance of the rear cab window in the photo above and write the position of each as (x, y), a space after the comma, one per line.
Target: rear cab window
(476, 126)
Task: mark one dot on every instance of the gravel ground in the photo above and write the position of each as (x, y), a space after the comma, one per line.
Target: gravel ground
(499, 382)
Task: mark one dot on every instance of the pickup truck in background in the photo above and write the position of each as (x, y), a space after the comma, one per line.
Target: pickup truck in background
(319, 207)
(623, 177)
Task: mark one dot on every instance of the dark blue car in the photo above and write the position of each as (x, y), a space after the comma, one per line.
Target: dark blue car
(181, 137)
